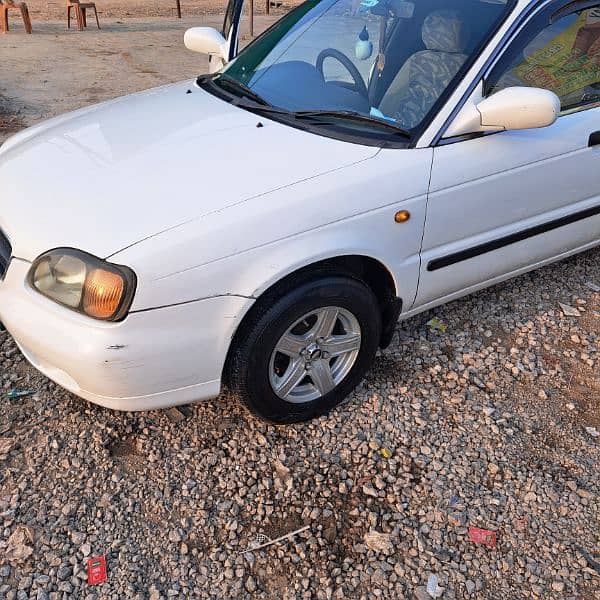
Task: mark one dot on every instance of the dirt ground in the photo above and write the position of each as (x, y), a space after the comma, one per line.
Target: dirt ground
(54, 9)
(56, 70)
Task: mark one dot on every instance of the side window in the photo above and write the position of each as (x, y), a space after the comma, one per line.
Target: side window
(560, 53)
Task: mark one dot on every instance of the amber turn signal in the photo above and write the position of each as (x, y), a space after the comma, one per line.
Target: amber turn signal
(102, 293)
(402, 216)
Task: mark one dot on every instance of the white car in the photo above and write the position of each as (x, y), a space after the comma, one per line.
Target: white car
(265, 226)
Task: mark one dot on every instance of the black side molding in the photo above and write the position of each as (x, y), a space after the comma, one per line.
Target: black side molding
(513, 238)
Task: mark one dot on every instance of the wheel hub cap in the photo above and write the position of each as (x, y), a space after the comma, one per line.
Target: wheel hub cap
(315, 354)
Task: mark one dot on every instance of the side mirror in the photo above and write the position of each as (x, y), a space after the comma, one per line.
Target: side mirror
(519, 108)
(509, 109)
(206, 40)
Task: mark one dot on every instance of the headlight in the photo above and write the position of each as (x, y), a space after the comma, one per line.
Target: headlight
(84, 283)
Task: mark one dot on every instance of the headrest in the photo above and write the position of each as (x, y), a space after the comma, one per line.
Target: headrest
(444, 31)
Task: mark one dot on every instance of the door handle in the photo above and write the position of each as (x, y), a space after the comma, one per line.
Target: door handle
(594, 139)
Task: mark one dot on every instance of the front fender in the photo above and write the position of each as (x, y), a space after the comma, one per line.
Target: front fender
(246, 249)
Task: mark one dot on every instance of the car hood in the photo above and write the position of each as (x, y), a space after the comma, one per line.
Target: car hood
(108, 176)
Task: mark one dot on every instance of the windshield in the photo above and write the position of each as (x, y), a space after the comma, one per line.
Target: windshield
(388, 60)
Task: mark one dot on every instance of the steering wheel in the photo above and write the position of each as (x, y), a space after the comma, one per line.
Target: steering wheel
(359, 84)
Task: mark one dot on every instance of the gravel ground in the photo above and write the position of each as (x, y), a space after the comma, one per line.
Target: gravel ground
(481, 425)
(55, 71)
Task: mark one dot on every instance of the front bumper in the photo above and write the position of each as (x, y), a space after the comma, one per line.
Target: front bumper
(152, 359)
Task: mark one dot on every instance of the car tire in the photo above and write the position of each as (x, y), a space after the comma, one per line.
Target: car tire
(297, 320)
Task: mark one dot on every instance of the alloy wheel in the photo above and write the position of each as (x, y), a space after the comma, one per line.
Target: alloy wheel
(315, 354)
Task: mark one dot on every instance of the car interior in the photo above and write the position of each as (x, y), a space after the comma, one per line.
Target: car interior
(422, 58)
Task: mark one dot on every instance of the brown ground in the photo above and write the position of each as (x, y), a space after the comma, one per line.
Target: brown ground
(54, 9)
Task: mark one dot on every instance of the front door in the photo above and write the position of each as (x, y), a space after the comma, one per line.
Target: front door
(505, 202)
(231, 32)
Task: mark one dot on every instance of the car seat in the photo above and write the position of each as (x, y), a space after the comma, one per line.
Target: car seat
(427, 73)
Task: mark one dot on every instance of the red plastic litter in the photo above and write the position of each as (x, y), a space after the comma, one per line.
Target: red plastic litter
(482, 536)
(97, 570)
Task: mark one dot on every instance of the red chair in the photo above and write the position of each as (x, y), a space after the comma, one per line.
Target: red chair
(6, 5)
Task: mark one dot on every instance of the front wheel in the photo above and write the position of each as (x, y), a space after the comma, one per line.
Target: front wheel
(302, 354)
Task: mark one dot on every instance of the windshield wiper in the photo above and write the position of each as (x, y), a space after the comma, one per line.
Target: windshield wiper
(349, 115)
(233, 86)
(259, 105)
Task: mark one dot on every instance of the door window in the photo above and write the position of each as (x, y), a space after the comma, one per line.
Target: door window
(559, 52)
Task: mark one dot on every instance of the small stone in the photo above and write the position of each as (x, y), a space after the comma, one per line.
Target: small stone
(457, 519)
(250, 585)
(65, 586)
(64, 572)
(175, 415)
(175, 536)
(154, 594)
(283, 476)
(493, 468)
(261, 440)
(78, 538)
(19, 547)
(379, 542)
(568, 310)
(369, 490)
(25, 583)
(421, 593)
